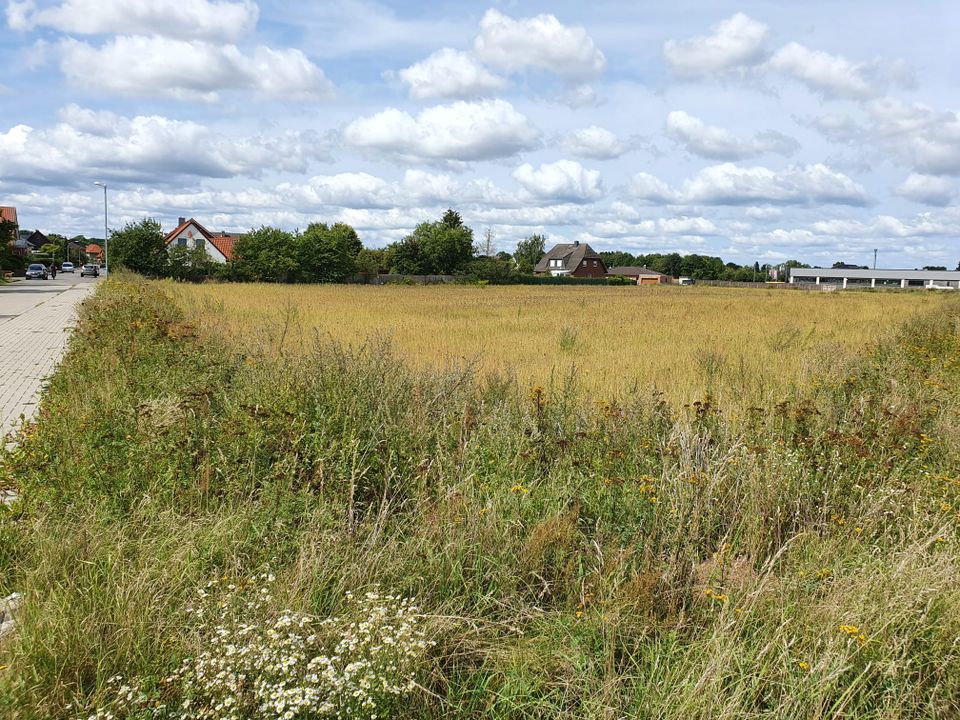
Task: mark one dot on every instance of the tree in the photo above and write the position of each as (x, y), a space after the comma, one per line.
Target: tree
(934, 267)
(192, 264)
(372, 261)
(444, 247)
(50, 250)
(266, 254)
(327, 254)
(451, 219)
(8, 260)
(529, 252)
(140, 247)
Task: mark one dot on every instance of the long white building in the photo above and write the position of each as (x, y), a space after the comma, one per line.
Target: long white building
(877, 278)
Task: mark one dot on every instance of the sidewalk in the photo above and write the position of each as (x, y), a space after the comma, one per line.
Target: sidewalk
(31, 344)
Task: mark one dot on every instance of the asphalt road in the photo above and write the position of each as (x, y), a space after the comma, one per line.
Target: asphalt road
(20, 296)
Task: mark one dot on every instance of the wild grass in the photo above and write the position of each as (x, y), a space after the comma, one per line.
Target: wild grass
(737, 344)
(569, 558)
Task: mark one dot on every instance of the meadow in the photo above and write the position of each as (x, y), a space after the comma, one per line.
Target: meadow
(240, 519)
(737, 345)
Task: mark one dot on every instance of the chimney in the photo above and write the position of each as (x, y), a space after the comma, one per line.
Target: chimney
(576, 243)
(181, 221)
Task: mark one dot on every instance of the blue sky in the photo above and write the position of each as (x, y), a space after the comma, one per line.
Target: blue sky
(755, 130)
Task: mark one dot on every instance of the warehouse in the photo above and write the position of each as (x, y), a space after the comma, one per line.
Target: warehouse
(941, 279)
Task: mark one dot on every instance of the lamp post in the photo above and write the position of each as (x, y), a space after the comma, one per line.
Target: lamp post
(106, 249)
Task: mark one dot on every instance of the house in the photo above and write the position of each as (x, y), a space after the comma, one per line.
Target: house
(94, 252)
(576, 259)
(640, 274)
(9, 214)
(190, 233)
(35, 239)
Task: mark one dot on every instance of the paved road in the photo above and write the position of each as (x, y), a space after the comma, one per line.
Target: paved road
(35, 319)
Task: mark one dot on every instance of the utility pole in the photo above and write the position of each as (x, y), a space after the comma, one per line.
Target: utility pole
(874, 258)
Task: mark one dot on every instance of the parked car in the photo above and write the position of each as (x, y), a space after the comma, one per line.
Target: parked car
(67, 267)
(90, 269)
(37, 271)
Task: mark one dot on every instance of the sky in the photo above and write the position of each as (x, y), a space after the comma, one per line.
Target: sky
(757, 131)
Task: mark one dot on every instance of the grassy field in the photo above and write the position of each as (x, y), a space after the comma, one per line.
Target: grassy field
(217, 529)
(741, 344)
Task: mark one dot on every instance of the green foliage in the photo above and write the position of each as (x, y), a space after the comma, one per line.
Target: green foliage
(327, 254)
(140, 247)
(8, 260)
(529, 252)
(444, 247)
(372, 261)
(266, 255)
(573, 557)
(190, 264)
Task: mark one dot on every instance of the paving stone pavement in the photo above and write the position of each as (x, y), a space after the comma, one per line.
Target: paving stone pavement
(32, 343)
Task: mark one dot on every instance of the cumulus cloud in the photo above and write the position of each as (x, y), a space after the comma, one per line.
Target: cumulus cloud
(212, 19)
(735, 42)
(927, 189)
(926, 139)
(191, 70)
(887, 226)
(461, 131)
(449, 73)
(831, 75)
(646, 187)
(594, 142)
(719, 144)
(151, 148)
(561, 181)
(541, 42)
(729, 184)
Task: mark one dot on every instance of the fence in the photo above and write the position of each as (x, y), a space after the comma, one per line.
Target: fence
(763, 285)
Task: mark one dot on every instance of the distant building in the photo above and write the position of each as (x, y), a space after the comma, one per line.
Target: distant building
(575, 259)
(190, 233)
(640, 274)
(94, 252)
(9, 214)
(876, 278)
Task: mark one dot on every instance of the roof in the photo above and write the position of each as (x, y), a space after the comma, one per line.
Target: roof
(878, 274)
(222, 242)
(570, 253)
(93, 249)
(8, 213)
(634, 271)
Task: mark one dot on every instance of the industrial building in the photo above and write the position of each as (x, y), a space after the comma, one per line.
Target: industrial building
(942, 279)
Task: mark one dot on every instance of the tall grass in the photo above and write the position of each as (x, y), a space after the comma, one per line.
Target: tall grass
(749, 345)
(571, 558)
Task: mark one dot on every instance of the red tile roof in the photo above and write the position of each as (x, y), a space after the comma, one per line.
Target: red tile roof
(223, 243)
(93, 249)
(8, 213)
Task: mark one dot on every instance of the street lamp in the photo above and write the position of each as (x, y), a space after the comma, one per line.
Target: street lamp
(106, 250)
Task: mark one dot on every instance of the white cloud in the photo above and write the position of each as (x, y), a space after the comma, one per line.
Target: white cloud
(926, 139)
(719, 144)
(836, 127)
(887, 226)
(646, 187)
(734, 42)
(561, 181)
(927, 189)
(541, 42)
(191, 70)
(212, 19)
(87, 143)
(729, 184)
(460, 131)
(449, 73)
(594, 142)
(832, 75)
(763, 213)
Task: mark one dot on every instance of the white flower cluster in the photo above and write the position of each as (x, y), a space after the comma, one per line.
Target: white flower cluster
(292, 665)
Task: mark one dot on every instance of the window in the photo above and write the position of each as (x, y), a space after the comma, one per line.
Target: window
(198, 243)
(584, 263)
(594, 263)
(182, 242)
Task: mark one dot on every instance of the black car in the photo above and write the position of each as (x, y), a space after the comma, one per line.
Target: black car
(37, 271)
(90, 269)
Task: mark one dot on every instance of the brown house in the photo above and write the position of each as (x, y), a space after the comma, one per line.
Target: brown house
(576, 259)
(94, 252)
(640, 274)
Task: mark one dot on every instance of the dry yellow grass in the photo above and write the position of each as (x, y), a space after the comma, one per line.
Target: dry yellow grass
(740, 345)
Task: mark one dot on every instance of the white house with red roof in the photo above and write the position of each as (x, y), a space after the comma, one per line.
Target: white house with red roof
(190, 233)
